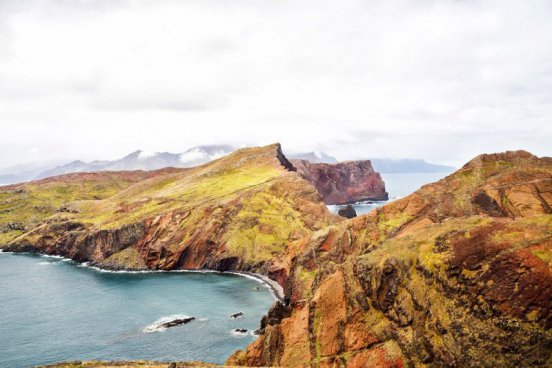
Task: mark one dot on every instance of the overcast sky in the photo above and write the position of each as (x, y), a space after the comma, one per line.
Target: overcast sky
(439, 80)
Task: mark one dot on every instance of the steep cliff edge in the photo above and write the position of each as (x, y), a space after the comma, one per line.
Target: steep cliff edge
(234, 213)
(458, 274)
(344, 182)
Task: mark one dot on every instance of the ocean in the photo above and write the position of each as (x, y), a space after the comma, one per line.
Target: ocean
(398, 186)
(52, 309)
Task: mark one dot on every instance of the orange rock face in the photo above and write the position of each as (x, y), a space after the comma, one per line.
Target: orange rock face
(457, 274)
(235, 213)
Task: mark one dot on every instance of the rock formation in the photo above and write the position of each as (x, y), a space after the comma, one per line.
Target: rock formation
(347, 212)
(458, 274)
(176, 322)
(234, 213)
(344, 182)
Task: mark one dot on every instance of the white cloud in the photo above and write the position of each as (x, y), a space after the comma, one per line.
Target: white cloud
(442, 80)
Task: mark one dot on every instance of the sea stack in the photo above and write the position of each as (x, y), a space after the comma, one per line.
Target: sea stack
(345, 182)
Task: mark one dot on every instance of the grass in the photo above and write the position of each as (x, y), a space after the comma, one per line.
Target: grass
(246, 204)
(387, 225)
(262, 227)
(33, 203)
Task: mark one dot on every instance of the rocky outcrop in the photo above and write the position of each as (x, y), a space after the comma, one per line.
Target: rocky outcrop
(344, 182)
(231, 214)
(347, 212)
(458, 274)
(445, 277)
(176, 322)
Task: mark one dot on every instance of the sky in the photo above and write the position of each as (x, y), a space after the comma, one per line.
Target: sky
(439, 80)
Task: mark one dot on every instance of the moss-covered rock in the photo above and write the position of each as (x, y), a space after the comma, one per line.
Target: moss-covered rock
(450, 276)
(234, 213)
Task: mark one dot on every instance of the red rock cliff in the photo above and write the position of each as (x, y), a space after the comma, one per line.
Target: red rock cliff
(344, 182)
(457, 274)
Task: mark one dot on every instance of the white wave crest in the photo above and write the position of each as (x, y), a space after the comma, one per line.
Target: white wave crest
(51, 256)
(157, 325)
(240, 335)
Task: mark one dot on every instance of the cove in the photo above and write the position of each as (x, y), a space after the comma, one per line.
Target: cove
(53, 309)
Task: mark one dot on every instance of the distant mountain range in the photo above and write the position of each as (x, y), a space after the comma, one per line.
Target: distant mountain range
(407, 165)
(142, 160)
(314, 157)
(24, 172)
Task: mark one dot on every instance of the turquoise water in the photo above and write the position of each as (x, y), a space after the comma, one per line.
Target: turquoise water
(53, 310)
(398, 186)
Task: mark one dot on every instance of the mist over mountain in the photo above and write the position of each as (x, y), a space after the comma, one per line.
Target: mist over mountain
(24, 172)
(144, 160)
(314, 157)
(407, 165)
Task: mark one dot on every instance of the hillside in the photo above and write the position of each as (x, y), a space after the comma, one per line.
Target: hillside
(456, 274)
(232, 213)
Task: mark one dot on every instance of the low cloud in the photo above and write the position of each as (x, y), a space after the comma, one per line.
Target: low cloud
(441, 80)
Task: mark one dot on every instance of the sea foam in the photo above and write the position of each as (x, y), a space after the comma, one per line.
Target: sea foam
(157, 325)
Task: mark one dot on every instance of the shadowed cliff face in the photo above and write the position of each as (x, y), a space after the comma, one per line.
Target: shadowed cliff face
(458, 274)
(345, 182)
(231, 214)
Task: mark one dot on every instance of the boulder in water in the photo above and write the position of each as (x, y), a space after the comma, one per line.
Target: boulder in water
(348, 212)
(176, 322)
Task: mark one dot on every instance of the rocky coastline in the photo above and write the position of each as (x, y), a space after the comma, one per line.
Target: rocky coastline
(452, 274)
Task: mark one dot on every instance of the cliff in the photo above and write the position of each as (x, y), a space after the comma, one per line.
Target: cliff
(344, 182)
(234, 213)
(458, 274)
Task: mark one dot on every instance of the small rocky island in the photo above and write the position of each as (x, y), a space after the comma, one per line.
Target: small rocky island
(176, 322)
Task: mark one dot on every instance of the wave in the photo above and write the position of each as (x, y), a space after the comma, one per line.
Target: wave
(104, 270)
(241, 335)
(52, 256)
(274, 287)
(157, 326)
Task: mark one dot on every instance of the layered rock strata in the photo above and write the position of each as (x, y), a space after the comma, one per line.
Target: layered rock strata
(458, 274)
(231, 214)
(344, 182)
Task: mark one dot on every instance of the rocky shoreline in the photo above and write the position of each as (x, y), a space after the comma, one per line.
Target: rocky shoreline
(453, 274)
(275, 288)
